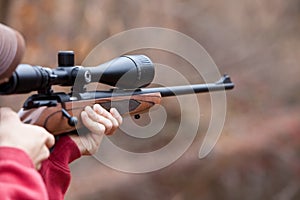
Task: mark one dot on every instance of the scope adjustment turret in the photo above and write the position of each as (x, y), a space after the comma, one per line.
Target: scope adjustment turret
(66, 58)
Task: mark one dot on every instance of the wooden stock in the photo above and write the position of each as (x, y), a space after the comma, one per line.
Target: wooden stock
(52, 119)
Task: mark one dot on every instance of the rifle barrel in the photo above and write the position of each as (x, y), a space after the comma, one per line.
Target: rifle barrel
(223, 84)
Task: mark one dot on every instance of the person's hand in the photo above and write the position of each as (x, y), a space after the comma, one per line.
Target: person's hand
(34, 140)
(100, 122)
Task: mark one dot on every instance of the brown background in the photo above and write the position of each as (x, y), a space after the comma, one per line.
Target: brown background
(256, 42)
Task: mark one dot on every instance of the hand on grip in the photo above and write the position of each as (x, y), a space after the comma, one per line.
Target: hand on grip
(100, 122)
(33, 140)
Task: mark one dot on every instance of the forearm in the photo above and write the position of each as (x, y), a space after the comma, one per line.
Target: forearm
(55, 170)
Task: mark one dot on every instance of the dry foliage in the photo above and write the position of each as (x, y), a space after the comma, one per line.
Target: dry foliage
(256, 42)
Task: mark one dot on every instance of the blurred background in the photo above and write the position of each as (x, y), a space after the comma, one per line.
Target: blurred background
(257, 42)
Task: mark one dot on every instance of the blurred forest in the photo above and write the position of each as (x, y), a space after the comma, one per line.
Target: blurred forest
(257, 42)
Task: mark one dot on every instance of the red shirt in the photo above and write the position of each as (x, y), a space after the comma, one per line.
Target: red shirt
(55, 170)
(20, 180)
(18, 177)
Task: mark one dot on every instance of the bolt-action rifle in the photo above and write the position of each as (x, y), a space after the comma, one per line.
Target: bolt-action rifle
(59, 112)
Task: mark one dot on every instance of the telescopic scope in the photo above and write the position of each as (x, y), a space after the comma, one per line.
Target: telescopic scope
(126, 72)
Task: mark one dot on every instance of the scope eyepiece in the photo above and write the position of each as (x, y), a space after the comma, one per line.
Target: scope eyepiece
(25, 79)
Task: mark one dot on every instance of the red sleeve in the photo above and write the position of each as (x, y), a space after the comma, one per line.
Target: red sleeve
(18, 177)
(55, 171)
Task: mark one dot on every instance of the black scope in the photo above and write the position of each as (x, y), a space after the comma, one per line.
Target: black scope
(126, 72)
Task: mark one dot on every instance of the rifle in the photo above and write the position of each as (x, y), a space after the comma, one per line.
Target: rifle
(59, 112)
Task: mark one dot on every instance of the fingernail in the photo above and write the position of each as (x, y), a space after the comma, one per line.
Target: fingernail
(114, 111)
(88, 109)
(98, 108)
